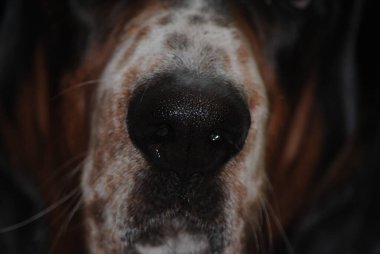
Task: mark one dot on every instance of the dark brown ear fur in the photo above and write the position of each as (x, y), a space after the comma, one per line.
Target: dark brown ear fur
(39, 42)
(349, 211)
(332, 43)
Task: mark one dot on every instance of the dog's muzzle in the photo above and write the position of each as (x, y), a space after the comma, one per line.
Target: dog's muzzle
(178, 138)
(188, 124)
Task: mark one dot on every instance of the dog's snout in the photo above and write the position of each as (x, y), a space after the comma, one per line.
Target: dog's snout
(188, 124)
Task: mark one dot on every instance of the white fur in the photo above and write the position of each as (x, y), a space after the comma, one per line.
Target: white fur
(183, 243)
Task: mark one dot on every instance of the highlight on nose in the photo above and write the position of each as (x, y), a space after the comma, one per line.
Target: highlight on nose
(187, 123)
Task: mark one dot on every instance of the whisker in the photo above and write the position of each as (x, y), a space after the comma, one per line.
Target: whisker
(75, 208)
(74, 171)
(253, 232)
(71, 88)
(266, 222)
(66, 165)
(256, 238)
(276, 221)
(40, 214)
(281, 229)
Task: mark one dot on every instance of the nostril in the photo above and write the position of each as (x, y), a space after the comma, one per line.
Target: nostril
(188, 124)
(162, 131)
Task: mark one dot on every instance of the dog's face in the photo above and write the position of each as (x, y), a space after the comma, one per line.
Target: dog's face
(193, 105)
(176, 155)
(190, 126)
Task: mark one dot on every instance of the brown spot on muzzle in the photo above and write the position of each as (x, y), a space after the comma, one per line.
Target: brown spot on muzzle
(95, 210)
(165, 20)
(177, 41)
(220, 21)
(196, 20)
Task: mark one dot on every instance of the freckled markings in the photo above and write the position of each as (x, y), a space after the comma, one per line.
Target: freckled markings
(96, 210)
(220, 50)
(196, 19)
(220, 21)
(177, 41)
(165, 20)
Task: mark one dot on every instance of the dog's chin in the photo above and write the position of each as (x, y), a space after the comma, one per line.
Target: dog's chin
(182, 243)
(175, 236)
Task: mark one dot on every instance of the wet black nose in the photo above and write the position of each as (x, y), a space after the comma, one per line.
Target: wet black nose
(188, 124)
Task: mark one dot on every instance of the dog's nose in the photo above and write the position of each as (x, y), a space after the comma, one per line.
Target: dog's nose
(188, 124)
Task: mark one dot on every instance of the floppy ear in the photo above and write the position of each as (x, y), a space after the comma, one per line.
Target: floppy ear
(20, 203)
(19, 21)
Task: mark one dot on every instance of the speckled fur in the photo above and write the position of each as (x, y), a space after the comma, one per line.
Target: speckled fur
(194, 38)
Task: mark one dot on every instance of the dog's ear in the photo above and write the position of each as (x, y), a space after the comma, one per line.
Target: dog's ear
(19, 21)
(22, 230)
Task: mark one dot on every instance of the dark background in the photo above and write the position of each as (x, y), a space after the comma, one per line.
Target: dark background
(347, 220)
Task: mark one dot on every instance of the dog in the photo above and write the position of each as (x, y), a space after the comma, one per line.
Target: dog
(194, 126)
